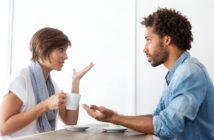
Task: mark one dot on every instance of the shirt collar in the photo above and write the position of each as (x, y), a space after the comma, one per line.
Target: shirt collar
(180, 60)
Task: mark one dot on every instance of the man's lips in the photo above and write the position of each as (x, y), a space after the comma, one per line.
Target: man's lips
(148, 57)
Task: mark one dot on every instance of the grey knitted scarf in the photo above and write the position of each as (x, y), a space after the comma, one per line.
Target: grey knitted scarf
(42, 90)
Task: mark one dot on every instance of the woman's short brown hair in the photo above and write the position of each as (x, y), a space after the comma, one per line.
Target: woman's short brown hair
(45, 41)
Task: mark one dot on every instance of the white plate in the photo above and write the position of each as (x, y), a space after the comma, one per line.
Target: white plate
(75, 127)
(114, 130)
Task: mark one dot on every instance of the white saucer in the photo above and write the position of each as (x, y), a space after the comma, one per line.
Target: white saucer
(114, 130)
(75, 127)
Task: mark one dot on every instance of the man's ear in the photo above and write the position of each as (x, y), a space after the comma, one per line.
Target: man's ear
(167, 40)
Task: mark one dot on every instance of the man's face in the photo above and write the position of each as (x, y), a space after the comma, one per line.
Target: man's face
(154, 48)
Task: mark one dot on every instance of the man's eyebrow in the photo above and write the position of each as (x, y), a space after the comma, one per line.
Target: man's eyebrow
(146, 37)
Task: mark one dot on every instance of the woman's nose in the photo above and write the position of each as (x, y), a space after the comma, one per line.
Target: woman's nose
(65, 55)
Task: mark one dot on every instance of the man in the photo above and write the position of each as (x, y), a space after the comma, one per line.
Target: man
(186, 108)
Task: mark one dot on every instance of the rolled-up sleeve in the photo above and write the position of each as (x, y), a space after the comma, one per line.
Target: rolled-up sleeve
(160, 129)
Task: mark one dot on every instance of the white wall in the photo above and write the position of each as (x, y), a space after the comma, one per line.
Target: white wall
(150, 80)
(4, 37)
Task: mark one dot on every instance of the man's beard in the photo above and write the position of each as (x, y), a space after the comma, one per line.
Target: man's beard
(160, 56)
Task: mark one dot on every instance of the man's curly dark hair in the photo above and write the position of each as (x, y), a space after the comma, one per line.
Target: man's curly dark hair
(172, 23)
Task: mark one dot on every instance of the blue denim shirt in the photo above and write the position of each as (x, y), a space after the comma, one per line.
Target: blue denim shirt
(186, 108)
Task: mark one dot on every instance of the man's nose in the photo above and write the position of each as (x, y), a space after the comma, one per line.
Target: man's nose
(145, 49)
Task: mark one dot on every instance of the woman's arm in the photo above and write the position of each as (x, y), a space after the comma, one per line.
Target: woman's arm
(71, 116)
(11, 119)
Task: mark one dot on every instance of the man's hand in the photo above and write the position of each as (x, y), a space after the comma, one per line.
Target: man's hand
(143, 123)
(100, 113)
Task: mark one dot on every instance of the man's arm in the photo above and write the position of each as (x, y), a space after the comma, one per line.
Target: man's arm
(142, 123)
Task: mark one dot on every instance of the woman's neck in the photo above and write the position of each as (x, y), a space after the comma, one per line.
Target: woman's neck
(46, 71)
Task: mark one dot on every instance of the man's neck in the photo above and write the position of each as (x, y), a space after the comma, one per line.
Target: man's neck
(174, 54)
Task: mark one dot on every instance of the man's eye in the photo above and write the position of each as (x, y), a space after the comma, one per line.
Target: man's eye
(148, 40)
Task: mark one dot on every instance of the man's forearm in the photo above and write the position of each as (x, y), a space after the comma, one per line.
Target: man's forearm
(142, 123)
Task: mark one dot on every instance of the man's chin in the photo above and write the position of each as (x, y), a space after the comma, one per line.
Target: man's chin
(154, 64)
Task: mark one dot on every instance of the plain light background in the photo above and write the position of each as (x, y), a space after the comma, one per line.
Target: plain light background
(108, 33)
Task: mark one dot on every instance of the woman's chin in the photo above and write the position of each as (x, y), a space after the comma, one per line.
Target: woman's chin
(58, 69)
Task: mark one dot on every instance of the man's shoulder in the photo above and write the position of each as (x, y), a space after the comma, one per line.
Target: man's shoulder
(191, 65)
(191, 68)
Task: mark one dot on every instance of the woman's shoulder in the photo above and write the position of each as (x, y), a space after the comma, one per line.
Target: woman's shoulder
(16, 81)
(24, 72)
(20, 77)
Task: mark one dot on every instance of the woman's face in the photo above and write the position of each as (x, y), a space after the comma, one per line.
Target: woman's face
(56, 59)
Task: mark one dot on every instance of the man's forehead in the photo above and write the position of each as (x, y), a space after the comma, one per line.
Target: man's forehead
(149, 32)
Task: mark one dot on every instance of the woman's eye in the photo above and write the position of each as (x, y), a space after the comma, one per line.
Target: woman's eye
(61, 49)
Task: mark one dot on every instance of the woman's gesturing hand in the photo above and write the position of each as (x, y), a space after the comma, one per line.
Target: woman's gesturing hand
(77, 75)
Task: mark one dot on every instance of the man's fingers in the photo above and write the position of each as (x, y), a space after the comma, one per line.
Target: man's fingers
(93, 111)
(86, 107)
(94, 107)
(90, 111)
(101, 109)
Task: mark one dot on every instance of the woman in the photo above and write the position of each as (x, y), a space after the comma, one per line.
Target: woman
(33, 99)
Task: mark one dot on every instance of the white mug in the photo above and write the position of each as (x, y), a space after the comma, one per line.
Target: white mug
(73, 100)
